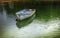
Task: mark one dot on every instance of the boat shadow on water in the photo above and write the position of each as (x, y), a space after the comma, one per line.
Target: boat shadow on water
(25, 22)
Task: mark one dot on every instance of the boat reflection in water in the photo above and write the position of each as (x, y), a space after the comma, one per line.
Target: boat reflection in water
(25, 17)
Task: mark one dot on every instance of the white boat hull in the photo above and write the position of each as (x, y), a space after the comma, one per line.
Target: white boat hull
(21, 17)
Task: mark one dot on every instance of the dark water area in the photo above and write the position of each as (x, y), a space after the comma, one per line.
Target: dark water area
(44, 10)
(45, 23)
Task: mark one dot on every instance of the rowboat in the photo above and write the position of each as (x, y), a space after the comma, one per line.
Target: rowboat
(25, 13)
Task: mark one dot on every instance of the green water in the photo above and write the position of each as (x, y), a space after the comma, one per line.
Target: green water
(46, 14)
(43, 11)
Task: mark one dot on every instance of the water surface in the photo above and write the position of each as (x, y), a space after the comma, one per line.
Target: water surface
(45, 23)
